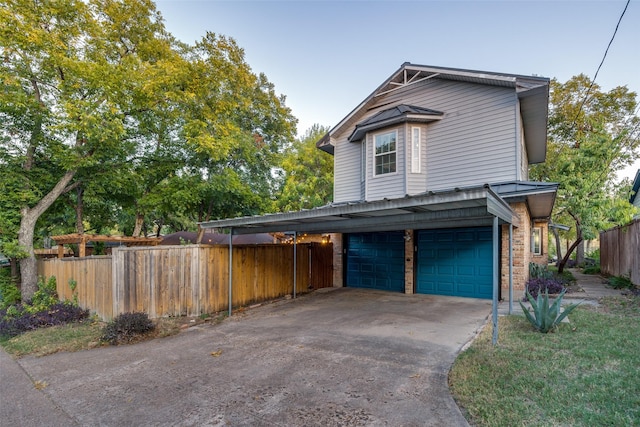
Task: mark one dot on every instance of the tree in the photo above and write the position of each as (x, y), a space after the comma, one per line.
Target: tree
(592, 135)
(90, 87)
(308, 173)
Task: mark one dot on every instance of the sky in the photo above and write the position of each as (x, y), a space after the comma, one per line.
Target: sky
(327, 56)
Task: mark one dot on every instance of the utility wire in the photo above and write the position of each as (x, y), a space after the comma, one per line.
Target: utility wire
(586, 95)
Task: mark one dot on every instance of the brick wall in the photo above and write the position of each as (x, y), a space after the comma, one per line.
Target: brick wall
(336, 239)
(408, 261)
(521, 253)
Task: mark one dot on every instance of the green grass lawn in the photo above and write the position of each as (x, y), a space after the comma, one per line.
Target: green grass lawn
(586, 373)
(76, 336)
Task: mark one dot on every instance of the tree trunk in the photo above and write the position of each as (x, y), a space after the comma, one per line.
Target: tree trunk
(200, 235)
(29, 217)
(568, 254)
(137, 229)
(571, 248)
(79, 210)
(580, 253)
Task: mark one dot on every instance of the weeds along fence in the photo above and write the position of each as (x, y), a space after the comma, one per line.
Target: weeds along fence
(620, 251)
(187, 280)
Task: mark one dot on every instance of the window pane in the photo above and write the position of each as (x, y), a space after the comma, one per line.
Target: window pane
(415, 150)
(537, 241)
(385, 150)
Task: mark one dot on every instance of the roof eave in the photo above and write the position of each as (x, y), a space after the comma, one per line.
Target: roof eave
(534, 107)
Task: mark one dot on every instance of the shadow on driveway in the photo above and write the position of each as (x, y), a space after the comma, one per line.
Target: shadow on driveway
(335, 357)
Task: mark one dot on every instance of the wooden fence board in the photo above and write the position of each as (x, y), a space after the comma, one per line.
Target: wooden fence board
(93, 278)
(186, 280)
(620, 251)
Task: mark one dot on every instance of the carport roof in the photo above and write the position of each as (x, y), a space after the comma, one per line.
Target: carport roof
(476, 206)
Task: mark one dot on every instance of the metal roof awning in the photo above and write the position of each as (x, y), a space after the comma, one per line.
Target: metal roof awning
(468, 207)
(540, 196)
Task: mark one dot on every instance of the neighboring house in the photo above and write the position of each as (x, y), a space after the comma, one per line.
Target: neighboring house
(635, 198)
(430, 173)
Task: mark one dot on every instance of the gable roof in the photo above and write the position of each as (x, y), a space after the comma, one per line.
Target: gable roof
(399, 114)
(532, 91)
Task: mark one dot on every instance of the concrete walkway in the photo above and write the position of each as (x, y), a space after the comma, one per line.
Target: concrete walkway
(593, 287)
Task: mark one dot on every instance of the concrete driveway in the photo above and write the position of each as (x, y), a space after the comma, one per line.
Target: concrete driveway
(336, 357)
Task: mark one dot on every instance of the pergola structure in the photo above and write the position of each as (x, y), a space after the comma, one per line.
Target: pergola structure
(82, 239)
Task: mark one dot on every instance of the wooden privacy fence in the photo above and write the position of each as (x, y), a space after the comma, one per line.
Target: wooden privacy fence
(93, 278)
(620, 251)
(188, 280)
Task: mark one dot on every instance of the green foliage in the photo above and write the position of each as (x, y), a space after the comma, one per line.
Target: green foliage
(592, 269)
(545, 317)
(595, 254)
(308, 174)
(105, 114)
(539, 271)
(587, 145)
(44, 297)
(73, 285)
(620, 282)
(9, 292)
(126, 327)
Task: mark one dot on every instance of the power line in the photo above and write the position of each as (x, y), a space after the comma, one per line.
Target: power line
(586, 95)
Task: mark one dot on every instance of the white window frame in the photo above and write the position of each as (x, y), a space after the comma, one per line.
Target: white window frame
(416, 149)
(376, 155)
(536, 250)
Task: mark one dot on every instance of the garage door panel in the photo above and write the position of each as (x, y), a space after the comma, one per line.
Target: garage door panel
(465, 270)
(376, 260)
(455, 262)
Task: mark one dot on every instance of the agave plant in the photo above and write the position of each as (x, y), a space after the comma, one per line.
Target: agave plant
(545, 317)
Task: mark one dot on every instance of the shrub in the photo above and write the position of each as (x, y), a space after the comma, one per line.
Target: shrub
(539, 285)
(126, 326)
(595, 269)
(545, 317)
(537, 271)
(620, 282)
(17, 319)
(46, 296)
(595, 255)
(9, 292)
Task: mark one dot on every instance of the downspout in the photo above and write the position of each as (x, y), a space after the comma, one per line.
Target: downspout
(295, 261)
(510, 268)
(496, 281)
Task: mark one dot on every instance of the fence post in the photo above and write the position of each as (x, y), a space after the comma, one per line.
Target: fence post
(230, 268)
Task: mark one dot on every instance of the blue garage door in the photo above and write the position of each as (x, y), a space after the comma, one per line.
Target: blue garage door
(376, 261)
(455, 262)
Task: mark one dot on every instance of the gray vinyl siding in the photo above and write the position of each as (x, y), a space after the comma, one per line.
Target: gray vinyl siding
(476, 142)
(346, 166)
(388, 185)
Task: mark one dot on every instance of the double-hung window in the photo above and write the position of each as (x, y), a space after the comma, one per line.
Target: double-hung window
(385, 152)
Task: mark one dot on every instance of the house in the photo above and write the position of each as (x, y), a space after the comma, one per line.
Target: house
(635, 198)
(431, 186)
